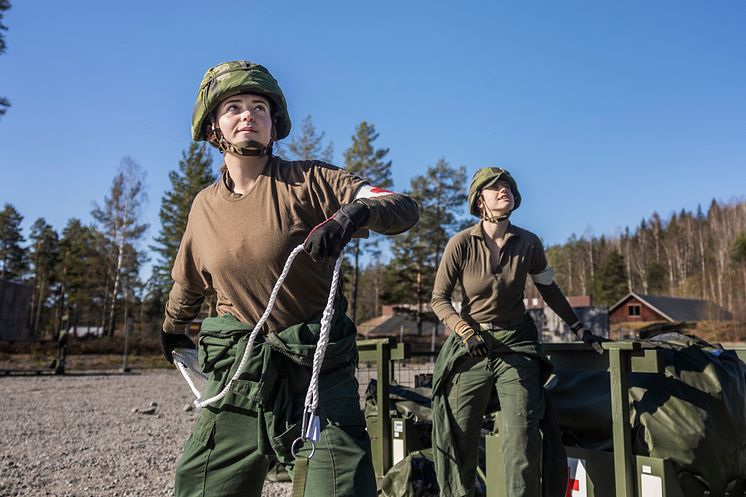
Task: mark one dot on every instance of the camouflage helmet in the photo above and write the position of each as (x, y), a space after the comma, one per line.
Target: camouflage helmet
(485, 177)
(231, 78)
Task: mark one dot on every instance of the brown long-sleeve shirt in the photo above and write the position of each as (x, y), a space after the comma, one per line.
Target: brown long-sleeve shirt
(237, 245)
(493, 294)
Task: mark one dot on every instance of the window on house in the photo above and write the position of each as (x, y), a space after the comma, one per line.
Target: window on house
(634, 310)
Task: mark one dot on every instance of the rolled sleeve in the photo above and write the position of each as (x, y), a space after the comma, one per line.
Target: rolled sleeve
(181, 309)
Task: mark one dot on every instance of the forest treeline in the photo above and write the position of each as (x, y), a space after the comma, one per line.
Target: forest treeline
(689, 254)
(89, 273)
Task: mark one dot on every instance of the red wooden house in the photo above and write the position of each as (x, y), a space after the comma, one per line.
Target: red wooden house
(645, 308)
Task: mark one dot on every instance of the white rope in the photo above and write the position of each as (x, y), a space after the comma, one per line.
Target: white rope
(185, 373)
(325, 323)
(312, 396)
(187, 361)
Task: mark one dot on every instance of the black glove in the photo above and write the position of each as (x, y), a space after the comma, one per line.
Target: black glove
(473, 341)
(329, 238)
(171, 341)
(587, 337)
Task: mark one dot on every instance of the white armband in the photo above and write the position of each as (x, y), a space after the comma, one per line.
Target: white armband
(367, 191)
(546, 277)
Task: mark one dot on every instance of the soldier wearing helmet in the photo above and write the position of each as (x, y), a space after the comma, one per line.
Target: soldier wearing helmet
(238, 79)
(495, 346)
(238, 237)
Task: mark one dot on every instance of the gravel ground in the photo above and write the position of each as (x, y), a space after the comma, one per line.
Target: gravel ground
(87, 434)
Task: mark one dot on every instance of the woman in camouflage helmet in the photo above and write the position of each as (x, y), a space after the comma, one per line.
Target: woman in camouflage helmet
(495, 347)
(239, 235)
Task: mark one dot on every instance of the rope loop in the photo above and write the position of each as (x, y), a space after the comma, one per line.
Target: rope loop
(310, 424)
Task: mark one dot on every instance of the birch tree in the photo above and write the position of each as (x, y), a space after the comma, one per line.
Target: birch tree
(119, 221)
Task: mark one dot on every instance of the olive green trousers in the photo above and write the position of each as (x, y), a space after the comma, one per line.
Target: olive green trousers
(233, 443)
(516, 379)
(463, 390)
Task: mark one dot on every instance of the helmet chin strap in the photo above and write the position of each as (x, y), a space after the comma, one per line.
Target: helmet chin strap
(489, 216)
(250, 148)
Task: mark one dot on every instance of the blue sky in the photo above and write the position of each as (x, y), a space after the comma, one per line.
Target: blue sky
(604, 112)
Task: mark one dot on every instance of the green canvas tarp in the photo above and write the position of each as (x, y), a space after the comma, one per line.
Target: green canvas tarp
(693, 413)
(414, 476)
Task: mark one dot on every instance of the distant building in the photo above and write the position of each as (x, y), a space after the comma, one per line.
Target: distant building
(640, 308)
(398, 320)
(85, 331)
(553, 329)
(15, 305)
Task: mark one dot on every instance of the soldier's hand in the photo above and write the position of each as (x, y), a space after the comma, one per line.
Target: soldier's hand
(587, 337)
(328, 239)
(474, 343)
(171, 341)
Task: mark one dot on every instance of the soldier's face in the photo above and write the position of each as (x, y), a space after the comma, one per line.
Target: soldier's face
(245, 117)
(498, 197)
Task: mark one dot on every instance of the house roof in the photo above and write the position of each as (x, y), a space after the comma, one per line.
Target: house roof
(679, 309)
(388, 325)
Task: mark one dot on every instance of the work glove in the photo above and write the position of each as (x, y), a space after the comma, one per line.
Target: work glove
(587, 337)
(328, 239)
(473, 341)
(171, 341)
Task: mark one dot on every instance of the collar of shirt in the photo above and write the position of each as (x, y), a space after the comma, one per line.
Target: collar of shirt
(478, 232)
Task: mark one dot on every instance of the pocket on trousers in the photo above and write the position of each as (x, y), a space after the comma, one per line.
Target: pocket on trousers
(246, 394)
(282, 443)
(203, 433)
(342, 416)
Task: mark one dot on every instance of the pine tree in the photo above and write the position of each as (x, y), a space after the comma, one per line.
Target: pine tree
(44, 255)
(441, 194)
(656, 277)
(408, 275)
(308, 145)
(363, 159)
(193, 174)
(13, 259)
(610, 281)
(81, 270)
(738, 250)
(4, 5)
(738, 257)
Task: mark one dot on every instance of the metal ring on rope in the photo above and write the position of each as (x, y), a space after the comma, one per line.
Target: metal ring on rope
(302, 441)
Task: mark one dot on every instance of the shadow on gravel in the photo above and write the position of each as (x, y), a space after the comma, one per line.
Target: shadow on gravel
(26, 372)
